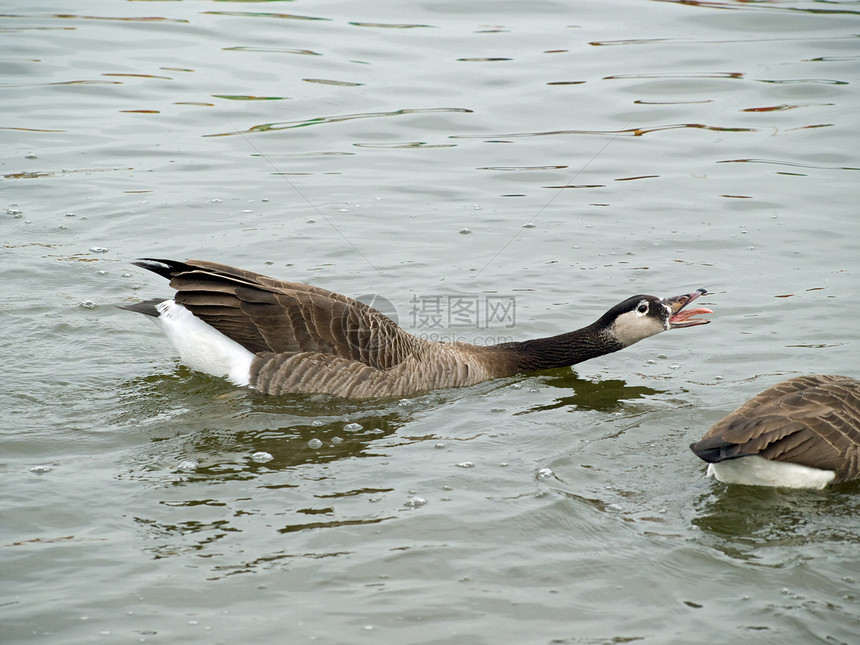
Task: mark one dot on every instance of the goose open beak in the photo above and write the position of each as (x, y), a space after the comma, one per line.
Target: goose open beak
(685, 318)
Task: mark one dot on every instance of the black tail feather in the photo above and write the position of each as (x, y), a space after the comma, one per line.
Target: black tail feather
(164, 268)
(716, 449)
(146, 307)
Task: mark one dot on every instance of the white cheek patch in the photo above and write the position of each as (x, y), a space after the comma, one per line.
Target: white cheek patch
(631, 327)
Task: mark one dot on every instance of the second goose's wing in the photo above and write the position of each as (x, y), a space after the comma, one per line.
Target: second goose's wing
(809, 420)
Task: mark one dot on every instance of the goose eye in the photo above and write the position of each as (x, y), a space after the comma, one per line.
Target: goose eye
(642, 308)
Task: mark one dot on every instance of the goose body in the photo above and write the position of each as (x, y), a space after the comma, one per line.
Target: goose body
(283, 337)
(801, 433)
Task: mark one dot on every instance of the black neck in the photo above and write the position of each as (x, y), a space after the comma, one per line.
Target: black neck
(563, 350)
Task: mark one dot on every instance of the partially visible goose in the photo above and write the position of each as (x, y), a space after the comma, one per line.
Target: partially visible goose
(801, 433)
(284, 337)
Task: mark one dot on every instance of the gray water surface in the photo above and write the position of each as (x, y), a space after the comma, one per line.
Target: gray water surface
(552, 157)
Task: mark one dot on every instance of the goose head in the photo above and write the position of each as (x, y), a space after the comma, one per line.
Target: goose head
(642, 316)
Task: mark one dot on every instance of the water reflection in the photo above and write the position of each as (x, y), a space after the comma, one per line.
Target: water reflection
(215, 461)
(192, 417)
(741, 521)
(583, 394)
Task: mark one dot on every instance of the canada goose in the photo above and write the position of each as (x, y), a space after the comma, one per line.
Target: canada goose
(801, 433)
(284, 337)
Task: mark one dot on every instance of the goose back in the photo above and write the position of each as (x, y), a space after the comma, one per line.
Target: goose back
(273, 316)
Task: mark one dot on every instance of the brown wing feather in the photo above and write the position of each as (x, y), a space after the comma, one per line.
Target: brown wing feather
(268, 315)
(809, 420)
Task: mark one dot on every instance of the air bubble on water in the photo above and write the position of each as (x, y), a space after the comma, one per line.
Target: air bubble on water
(314, 444)
(405, 403)
(317, 423)
(336, 440)
(476, 207)
(497, 409)
(216, 201)
(439, 445)
(465, 231)
(98, 249)
(262, 457)
(71, 214)
(187, 465)
(14, 212)
(40, 470)
(352, 427)
(30, 156)
(545, 473)
(88, 304)
(674, 366)
(529, 225)
(102, 272)
(126, 275)
(342, 210)
(465, 464)
(517, 386)
(415, 502)
(311, 221)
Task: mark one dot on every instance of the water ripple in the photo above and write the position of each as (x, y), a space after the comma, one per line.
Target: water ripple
(777, 162)
(288, 125)
(261, 14)
(747, 7)
(636, 132)
(382, 25)
(272, 50)
(70, 16)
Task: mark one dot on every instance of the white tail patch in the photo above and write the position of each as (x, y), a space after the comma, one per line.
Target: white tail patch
(202, 347)
(758, 471)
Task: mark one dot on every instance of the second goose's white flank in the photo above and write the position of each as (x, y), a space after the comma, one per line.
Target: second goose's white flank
(202, 347)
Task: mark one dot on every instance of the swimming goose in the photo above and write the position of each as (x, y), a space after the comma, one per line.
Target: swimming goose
(801, 433)
(285, 337)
